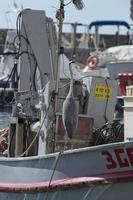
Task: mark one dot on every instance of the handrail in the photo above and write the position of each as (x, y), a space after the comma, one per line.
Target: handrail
(109, 23)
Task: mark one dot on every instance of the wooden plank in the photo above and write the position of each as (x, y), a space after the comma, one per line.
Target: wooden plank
(19, 139)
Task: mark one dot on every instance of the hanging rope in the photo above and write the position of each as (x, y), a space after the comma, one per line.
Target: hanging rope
(37, 134)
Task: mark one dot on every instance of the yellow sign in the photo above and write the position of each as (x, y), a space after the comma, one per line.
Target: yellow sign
(103, 92)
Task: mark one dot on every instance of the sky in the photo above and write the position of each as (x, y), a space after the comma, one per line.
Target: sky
(93, 10)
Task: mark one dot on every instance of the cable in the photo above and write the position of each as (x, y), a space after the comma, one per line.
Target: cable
(109, 133)
(34, 73)
(77, 80)
(107, 99)
(52, 175)
(28, 45)
(66, 4)
(36, 63)
(19, 36)
(18, 23)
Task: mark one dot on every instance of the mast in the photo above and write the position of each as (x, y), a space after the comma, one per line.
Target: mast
(60, 17)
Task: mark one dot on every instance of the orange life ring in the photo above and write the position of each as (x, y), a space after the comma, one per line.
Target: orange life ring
(92, 62)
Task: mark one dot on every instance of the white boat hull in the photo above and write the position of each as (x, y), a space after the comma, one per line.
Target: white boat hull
(84, 162)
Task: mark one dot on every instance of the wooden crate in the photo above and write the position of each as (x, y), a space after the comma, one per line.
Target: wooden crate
(19, 140)
(82, 137)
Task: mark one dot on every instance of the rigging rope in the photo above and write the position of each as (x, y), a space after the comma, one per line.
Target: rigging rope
(52, 175)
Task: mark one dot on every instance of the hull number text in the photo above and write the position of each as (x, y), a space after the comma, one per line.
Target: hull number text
(119, 157)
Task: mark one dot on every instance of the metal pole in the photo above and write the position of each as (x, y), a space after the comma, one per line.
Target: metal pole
(59, 49)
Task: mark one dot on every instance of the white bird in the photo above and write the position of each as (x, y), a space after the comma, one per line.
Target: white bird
(70, 110)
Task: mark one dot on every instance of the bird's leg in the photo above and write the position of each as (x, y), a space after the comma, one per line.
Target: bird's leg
(71, 141)
(65, 142)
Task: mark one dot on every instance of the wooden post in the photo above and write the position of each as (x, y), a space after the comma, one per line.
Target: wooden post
(19, 138)
(15, 137)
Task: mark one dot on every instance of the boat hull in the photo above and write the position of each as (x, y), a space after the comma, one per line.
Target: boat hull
(84, 162)
(102, 172)
(95, 188)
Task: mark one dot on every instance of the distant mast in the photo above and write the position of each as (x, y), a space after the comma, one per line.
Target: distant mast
(15, 10)
(131, 9)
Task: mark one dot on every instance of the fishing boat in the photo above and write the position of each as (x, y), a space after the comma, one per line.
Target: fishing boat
(8, 61)
(62, 142)
(111, 57)
(8, 71)
(114, 53)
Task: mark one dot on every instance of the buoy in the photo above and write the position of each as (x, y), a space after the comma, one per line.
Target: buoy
(92, 62)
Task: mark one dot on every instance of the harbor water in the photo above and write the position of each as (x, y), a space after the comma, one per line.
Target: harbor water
(5, 114)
